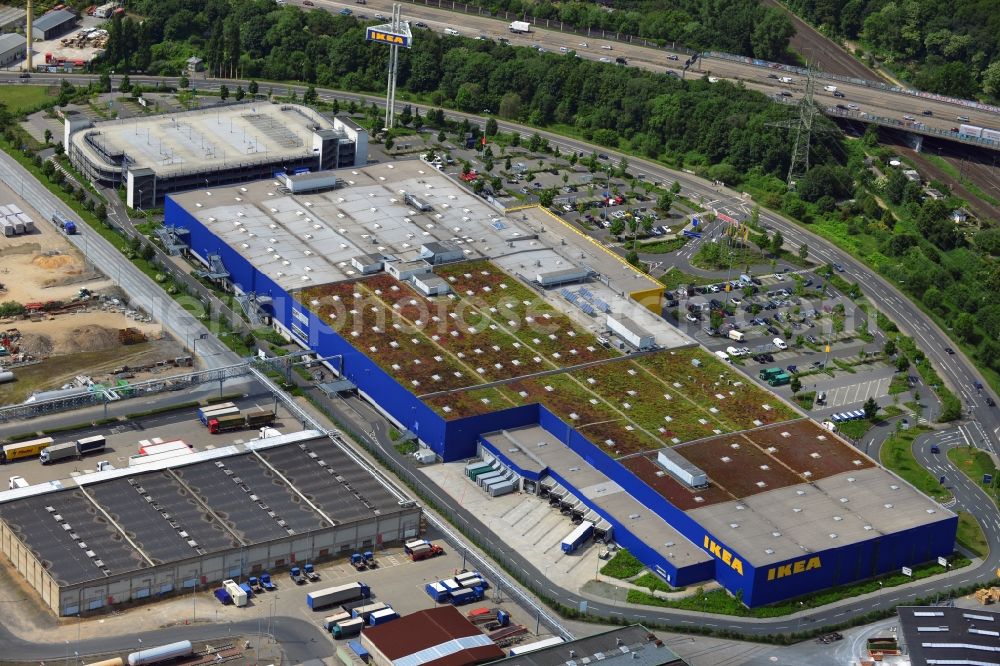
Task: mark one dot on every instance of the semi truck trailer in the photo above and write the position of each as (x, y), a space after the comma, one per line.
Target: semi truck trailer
(337, 595)
(77, 449)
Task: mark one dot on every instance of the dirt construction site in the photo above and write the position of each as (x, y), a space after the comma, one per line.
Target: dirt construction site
(74, 320)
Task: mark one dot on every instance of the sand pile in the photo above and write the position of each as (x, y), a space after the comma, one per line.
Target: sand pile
(53, 261)
(87, 338)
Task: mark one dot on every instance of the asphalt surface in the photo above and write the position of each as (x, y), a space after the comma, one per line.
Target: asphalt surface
(143, 291)
(968, 494)
(875, 101)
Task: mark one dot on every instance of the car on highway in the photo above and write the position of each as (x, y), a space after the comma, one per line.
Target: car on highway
(605, 59)
(309, 3)
(837, 93)
(949, 350)
(27, 75)
(990, 401)
(927, 112)
(838, 268)
(621, 60)
(380, 17)
(771, 76)
(606, 47)
(583, 45)
(853, 107)
(785, 93)
(909, 118)
(671, 56)
(452, 32)
(345, 12)
(421, 24)
(842, 107)
(963, 119)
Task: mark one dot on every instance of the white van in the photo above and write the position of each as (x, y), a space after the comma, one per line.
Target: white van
(738, 336)
(733, 351)
(723, 356)
(779, 343)
(17, 482)
(787, 79)
(451, 31)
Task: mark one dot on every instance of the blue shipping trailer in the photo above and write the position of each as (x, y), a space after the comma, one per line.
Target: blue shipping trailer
(359, 650)
(437, 591)
(578, 536)
(381, 617)
(466, 595)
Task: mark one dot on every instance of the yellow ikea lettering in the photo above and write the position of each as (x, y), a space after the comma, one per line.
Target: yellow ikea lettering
(797, 567)
(383, 37)
(735, 563)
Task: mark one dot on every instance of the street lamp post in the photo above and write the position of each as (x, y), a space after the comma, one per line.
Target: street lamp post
(194, 346)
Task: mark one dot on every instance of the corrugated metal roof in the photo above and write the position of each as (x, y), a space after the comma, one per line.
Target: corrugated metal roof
(443, 650)
(429, 633)
(10, 41)
(52, 19)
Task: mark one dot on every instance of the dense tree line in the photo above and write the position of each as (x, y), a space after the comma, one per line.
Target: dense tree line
(951, 48)
(693, 122)
(745, 27)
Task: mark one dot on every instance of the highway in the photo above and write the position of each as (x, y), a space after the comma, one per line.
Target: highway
(956, 369)
(875, 101)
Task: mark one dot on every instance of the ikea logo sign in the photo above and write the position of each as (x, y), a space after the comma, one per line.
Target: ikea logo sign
(735, 563)
(797, 567)
(374, 35)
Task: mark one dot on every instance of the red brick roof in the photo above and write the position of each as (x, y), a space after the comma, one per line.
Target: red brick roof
(425, 629)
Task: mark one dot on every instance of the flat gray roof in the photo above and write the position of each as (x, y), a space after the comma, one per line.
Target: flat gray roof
(811, 517)
(950, 635)
(146, 518)
(207, 139)
(606, 494)
(318, 234)
(633, 645)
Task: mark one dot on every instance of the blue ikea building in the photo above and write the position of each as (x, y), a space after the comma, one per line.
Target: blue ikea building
(736, 555)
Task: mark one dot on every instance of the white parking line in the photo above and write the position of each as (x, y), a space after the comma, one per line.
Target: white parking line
(858, 393)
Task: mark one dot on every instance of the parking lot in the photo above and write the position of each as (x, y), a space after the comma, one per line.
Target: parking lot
(794, 321)
(125, 438)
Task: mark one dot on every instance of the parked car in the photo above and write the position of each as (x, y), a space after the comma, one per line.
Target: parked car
(779, 343)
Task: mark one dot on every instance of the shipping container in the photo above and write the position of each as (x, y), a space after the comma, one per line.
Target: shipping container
(28, 449)
(359, 650)
(94, 444)
(483, 478)
(437, 591)
(337, 595)
(465, 576)
(504, 488)
(382, 616)
(56, 452)
(578, 536)
(518, 650)
(236, 593)
(488, 469)
(410, 545)
(153, 449)
(466, 595)
(219, 424)
(228, 411)
(364, 611)
(204, 411)
(348, 627)
(331, 620)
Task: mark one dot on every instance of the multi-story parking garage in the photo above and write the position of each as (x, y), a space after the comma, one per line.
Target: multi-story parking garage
(149, 531)
(153, 156)
(516, 339)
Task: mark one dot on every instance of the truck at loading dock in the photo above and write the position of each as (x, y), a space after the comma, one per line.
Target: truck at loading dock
(77, 449)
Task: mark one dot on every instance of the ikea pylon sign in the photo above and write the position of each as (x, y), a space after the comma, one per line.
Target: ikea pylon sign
(387, 37)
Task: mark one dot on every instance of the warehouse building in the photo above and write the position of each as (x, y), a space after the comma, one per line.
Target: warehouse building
(12, 49)
(626, 646)
(154, 156)
(949, 635)
(53, 24)
(151, 531)
(12, 18)
(434, 637)
(577, 391)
